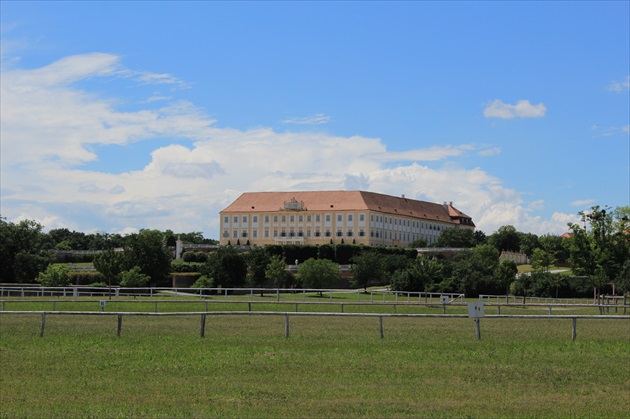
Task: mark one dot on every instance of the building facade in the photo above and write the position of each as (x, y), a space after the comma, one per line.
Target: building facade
(321, 217)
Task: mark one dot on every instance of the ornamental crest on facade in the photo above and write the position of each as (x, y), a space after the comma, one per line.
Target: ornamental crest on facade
(293, 205)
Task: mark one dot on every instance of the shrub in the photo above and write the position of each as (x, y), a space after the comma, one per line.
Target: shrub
(55, 276)
(134, 278)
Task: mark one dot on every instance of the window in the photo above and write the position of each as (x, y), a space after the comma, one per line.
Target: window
(327, 233)
(317, 233)
(255, 219)
(226, 220)
(244, 234)
(361, 217)
(275, 233)
(318, 218)
(284, 218)
(349, 233)
(292, 218)
(308, 233)
(349, 218)
(327, 218)
(255, 233)
(266, 218)
(235, 234)
(339, 233)
(300, 233)
(308, 218)
(300, 218)
(291, 233)
(236, 219)
(361, 233)
(226, 233)
(244, 218)
(339, 218)
(266, 233)
(283, 233)
(275, 218)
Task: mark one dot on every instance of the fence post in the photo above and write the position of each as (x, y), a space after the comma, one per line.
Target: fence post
(119, 325)
(286, 325)
(155, 307)
(574, 328)
(41, 329)
(477, 328)
(380, 321)
(202, 332)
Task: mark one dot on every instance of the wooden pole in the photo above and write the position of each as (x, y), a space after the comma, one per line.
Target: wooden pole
(380, 321)
(574, 328)
(119, 325)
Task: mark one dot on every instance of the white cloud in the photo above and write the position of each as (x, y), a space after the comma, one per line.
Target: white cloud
(316, 119)
(582, 203)
(48, 126)
(522, 109)
(619, 86)
(490, 152)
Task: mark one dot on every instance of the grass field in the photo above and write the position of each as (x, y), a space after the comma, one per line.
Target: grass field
(328, 367)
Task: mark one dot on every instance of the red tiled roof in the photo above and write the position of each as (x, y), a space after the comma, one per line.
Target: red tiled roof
(346, 201)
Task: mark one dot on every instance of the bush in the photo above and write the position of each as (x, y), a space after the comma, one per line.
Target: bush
(134, 278)
(185, 267)
(201, 257)
(55, 276)
(203, 282)
(86, 278)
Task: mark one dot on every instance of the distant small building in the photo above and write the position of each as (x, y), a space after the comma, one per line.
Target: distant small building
(321, 217)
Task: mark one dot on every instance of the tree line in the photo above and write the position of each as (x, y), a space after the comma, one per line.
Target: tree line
(597, 251)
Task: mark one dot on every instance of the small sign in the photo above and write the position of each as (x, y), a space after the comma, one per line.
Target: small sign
(444, 299)
(102, 303)
(475, 310)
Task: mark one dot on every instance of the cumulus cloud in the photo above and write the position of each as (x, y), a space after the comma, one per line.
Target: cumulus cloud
(522, 109)
(49, 127)
(582, 203)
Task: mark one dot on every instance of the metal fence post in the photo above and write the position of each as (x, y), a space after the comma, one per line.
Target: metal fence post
(380, 321)
(286, 325)
(202, 332)
(574, 328)
(119, 325)
(41, 329)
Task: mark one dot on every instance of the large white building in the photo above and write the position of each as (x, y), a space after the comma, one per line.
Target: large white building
(320, 217)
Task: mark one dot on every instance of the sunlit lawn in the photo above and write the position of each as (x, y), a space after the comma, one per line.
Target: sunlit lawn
(327, 367)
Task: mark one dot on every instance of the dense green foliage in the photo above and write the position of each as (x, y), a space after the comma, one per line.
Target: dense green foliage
(134, 278)
(318, 273)
(55, 276)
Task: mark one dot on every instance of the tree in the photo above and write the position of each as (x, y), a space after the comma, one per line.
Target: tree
(277, 271)
(418, 243)
(134, 278)
(257, 261)
(456, 237)
(227, 267)
(110, 263)
(529, 242)
(600, 250)
(542, 260)
(367, 268)
(505, 274)
(147, 250)
(24, 238)
(318, 273)
(473, 271)
(505, 238)
(55, 276)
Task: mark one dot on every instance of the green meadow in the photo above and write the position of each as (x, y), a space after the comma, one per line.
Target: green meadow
(328, 366)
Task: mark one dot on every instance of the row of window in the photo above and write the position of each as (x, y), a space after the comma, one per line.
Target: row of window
(299, 233)
(291, 218)
(379, 219)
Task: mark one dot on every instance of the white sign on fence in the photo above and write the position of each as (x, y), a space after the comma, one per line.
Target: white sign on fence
(475, 310)
(102, 303)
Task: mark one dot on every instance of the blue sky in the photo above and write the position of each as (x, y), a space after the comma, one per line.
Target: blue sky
(117, 116)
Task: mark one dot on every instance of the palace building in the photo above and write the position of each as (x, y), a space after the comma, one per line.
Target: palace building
(321, 217)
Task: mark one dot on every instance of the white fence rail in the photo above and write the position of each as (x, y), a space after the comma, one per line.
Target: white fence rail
(293, 293)
(287, 315)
